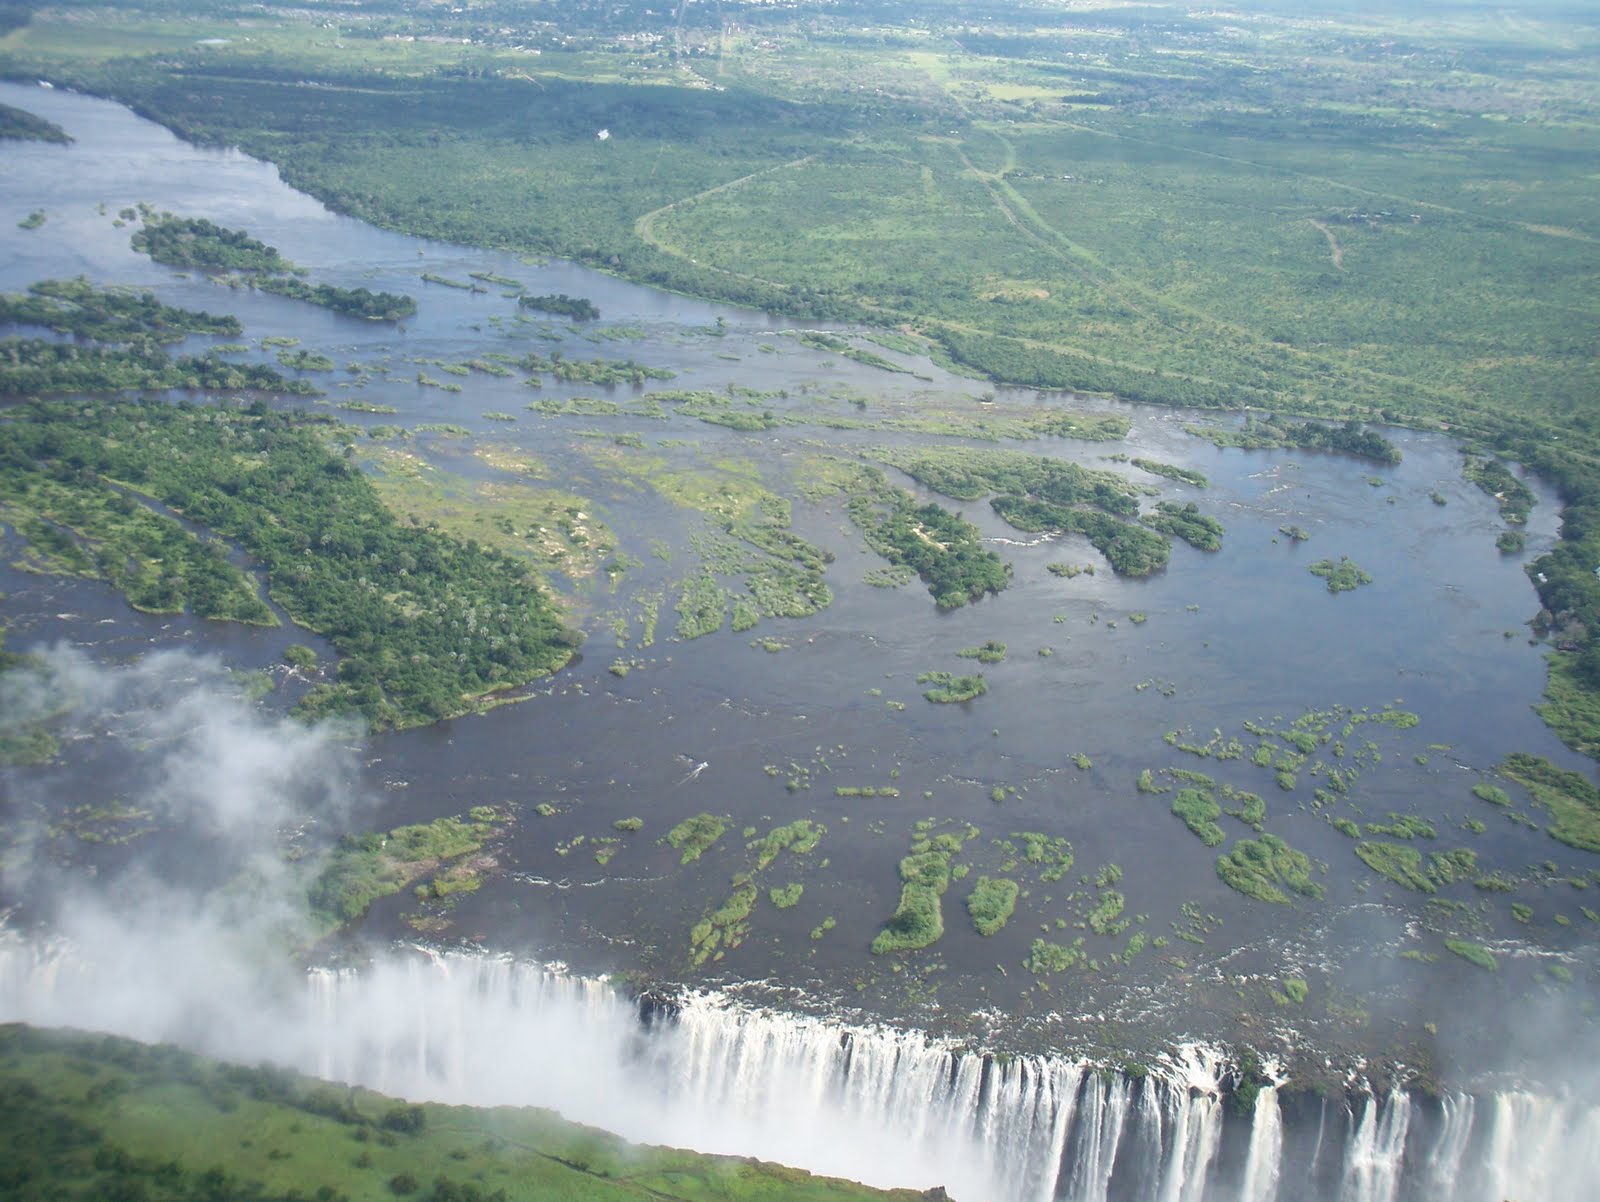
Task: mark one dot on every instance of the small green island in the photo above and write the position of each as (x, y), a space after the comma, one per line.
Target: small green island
(576, 307)
(1341, 575)
(950, 689)
(364, 869)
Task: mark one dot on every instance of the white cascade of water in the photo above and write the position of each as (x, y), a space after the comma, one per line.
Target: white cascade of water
(471, 1029)
(996, 1130)
(1376, 1154)
(1263, 1162)
(1322, 1127)
(1139, 1173)
(1455, 1132)
(1024, 1115)
(1194, 1107)
(871, 1104)
(1541, 1147)
(888, 1107)
(1521, 1124)
(1102, 1117)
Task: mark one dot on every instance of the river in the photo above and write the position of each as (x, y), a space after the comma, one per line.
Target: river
(1098, 667)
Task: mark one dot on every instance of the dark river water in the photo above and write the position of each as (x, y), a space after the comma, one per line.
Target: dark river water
(719, 725)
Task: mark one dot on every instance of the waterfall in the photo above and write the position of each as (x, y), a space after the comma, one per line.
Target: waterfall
(1377, 1150)
(1266, 1149)
(1444, 1161)
(1195, 1105)
(1541, 1147)
(1104, 1114)
(887, 1106)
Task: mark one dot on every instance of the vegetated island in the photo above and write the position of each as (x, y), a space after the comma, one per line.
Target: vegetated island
(991, 652)
(991, 903)
(1495, 478)
(1342, 575)
(950, 689)
(1186, 522)
(112, 315)
(941, 547)
(1172, 471)
(1257, 433)
(196, 242)
(1036, 493)
(591, 371)
(363, 869)
(918, 920)
(576, 307)
(101, 1117)
(124, 330)
(23, 126)
(427, 627)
